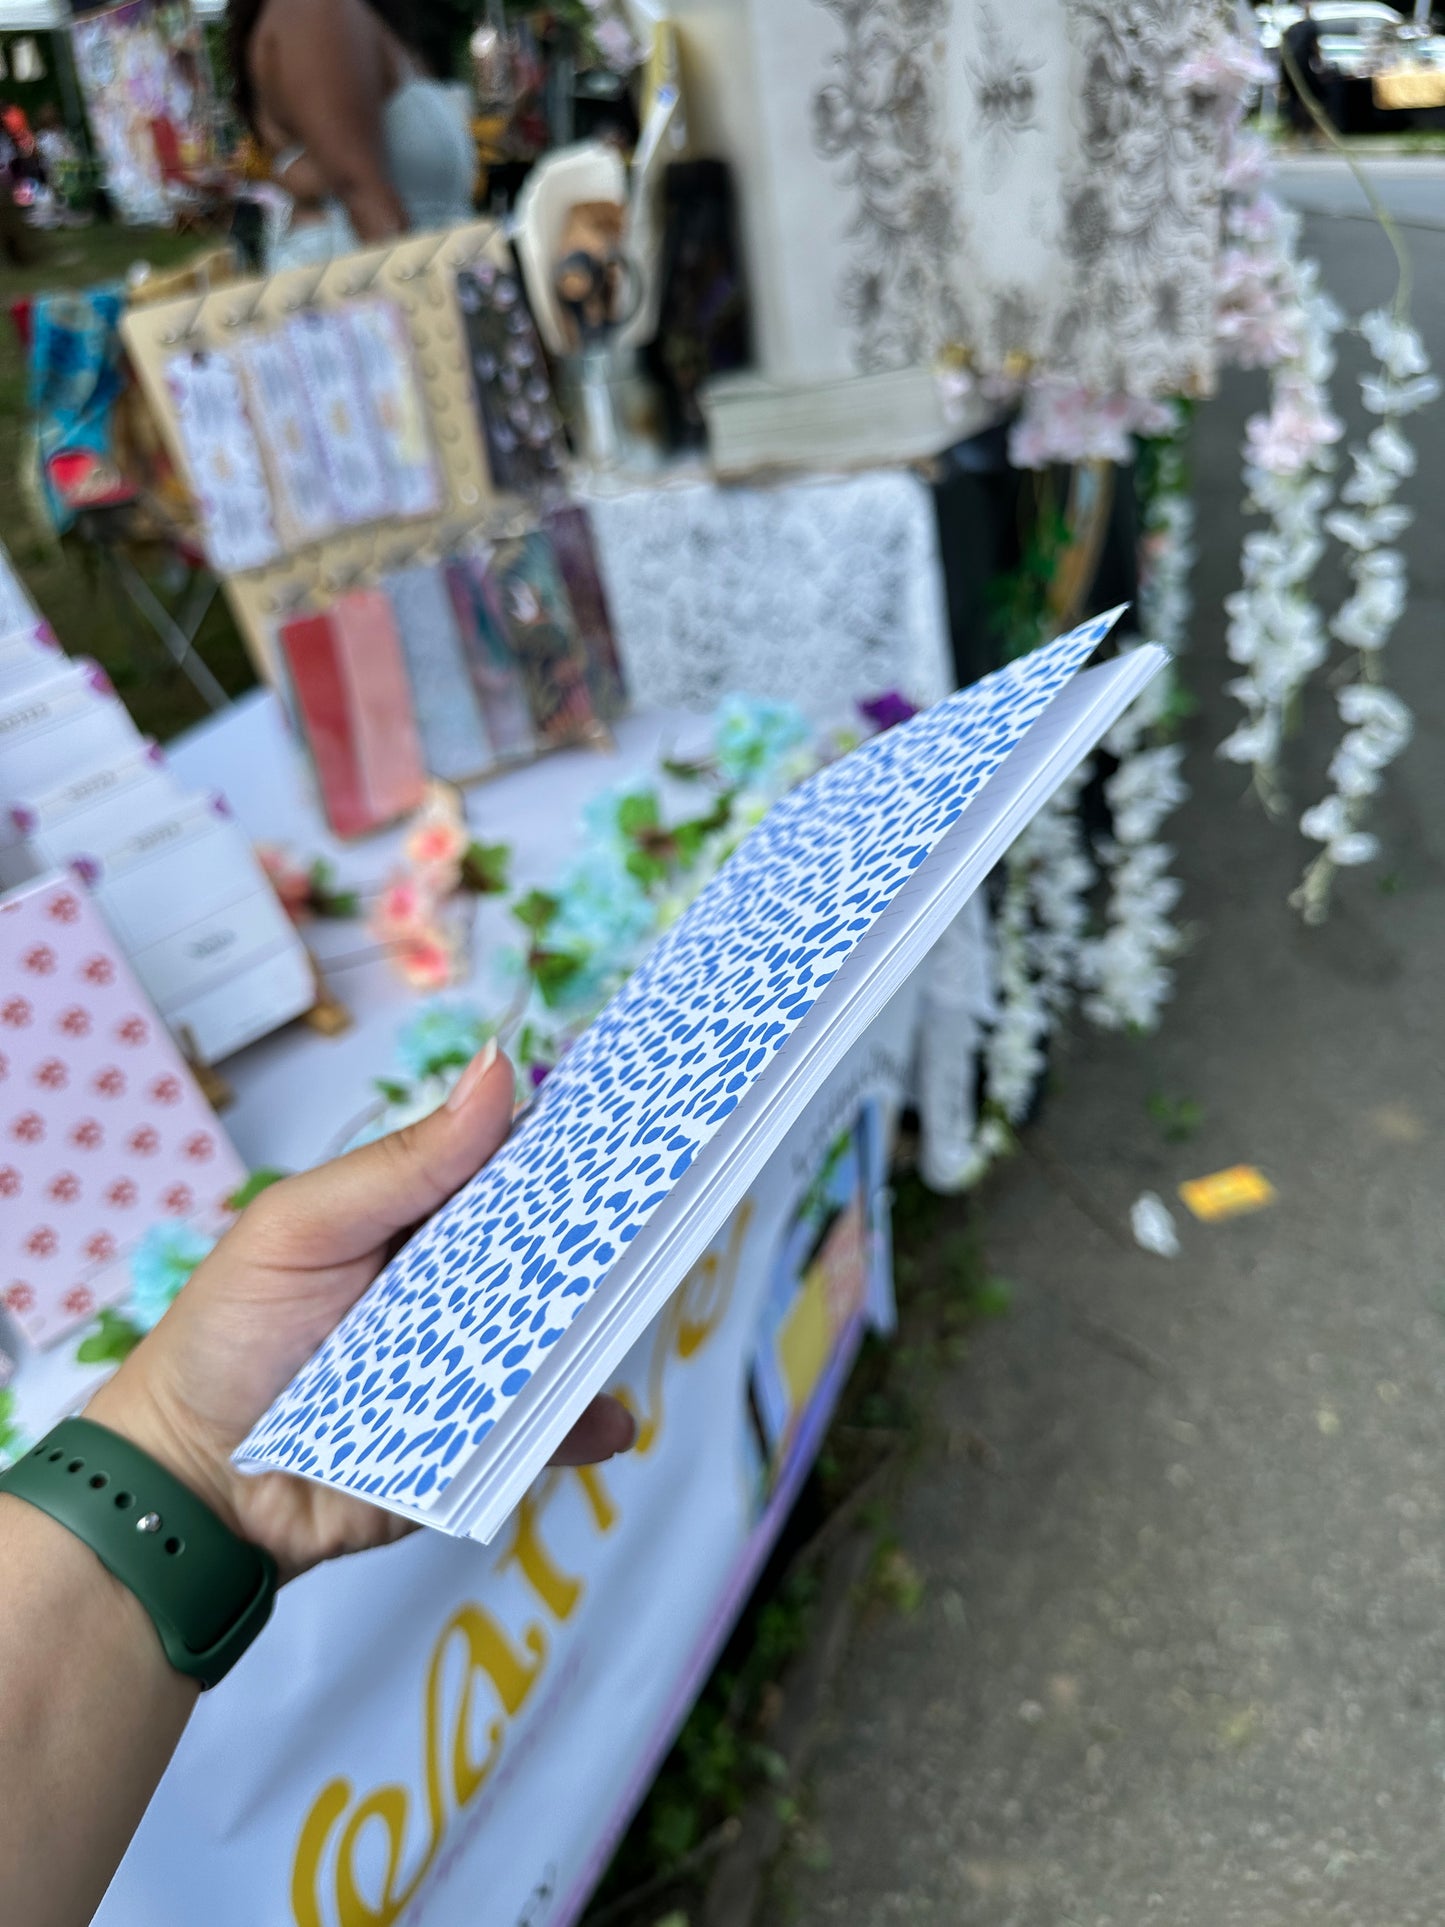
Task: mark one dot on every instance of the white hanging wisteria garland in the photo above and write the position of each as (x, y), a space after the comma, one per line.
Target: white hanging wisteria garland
(1378, 724)
(1275, 632)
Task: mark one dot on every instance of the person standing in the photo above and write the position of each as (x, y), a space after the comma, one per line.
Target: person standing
(368, 140)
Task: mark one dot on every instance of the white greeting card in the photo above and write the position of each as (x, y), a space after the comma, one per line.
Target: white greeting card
(383, 353)
(225, 464)
(20, 620)
(27, 658)
(92, 811)
(204, 930)
(289, 437)
(447, 1386)
(60, 727)
(356, 466)
(103, 1132)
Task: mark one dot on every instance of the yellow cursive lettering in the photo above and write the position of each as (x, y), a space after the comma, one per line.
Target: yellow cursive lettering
(487, 1653)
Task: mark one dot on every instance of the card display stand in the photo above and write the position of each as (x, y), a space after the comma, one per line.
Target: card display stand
(419, 275)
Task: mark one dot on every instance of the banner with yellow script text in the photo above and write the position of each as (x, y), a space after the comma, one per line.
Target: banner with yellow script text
(443, 1734)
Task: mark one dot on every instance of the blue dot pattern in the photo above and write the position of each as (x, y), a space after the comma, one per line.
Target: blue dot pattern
(452, 1330)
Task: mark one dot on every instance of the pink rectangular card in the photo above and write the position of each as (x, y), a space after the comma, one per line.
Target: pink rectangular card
(103, 1131)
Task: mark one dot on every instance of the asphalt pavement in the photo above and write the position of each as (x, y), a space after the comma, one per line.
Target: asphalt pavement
(1180, 1649)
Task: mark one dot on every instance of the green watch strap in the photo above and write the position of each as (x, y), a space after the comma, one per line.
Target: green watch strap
(208, 1592)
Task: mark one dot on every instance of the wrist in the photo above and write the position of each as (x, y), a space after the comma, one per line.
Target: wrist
(130, 1405)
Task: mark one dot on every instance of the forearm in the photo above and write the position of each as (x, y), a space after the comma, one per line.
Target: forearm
(374, 208)
(90, 1714)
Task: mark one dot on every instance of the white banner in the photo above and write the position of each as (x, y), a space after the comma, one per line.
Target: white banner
(443, 1734)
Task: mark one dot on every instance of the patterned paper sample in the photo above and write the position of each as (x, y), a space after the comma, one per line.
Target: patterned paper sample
(454, 1328)
(102, 1129)
(389, 382)
(569, 529)
(356, 466)
(523, 430)
(454, 741)
(224, 461)
(544, 638)
(495, 672)
(289, 437)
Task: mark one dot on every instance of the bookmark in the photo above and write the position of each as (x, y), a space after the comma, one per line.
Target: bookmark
(495, 672)
(289, 437)
(389, 381)
(523, 431)
(543, 637)
(224, 460)
(356, 467)
(454, 740)
(373, 673)
(569, 529)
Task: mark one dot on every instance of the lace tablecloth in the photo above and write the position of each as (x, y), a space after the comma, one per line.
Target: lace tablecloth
(821, 591)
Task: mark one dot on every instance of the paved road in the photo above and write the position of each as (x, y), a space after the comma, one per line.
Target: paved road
(1181, 1653)
(1412, 187)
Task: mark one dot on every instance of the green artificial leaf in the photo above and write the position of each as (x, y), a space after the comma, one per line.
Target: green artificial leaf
(259, 1181)
(326, 899)
(683, 772)
(114, 1339)
(536, 910)
(647, 869)
(486, 868)
(9, 1430)
(552, 971)
(638, 813)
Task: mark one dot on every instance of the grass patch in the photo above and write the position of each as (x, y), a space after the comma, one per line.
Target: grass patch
(80, 603)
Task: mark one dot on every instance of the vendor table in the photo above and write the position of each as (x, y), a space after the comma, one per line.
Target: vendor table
(449, 1735)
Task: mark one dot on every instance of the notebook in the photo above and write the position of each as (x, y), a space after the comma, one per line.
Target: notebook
(103, 1132)
(449, 1384)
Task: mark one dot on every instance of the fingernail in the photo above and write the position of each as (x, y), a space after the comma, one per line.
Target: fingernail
(467, 1083)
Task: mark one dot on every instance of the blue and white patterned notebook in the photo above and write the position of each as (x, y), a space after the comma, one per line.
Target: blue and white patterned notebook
(452, 1380)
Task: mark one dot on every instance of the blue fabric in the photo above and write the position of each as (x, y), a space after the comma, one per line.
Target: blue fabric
(77, 372)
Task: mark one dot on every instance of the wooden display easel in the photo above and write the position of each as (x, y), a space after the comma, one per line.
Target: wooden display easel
(419, 274)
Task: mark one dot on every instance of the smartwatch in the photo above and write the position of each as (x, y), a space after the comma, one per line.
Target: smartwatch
(207, 1591)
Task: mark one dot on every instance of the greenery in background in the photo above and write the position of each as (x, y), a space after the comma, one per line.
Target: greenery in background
(12, 1439)
(80, 604)
(1178, 1118)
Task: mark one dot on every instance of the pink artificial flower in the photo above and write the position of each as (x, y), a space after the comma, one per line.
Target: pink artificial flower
(403, 911)
(1063, 422)
(1246, 163)
(437, 845)
(1229, 67)
(1294, 432)
(427, 960)
(287, 878)
(438, 839)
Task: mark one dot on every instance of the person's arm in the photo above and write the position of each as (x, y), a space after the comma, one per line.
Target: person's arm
(325, 72)
(90, 1710)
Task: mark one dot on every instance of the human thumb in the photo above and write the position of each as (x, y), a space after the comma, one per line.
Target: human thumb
(361, 1201)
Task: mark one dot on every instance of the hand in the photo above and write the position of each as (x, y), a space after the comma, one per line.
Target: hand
(276, 1285)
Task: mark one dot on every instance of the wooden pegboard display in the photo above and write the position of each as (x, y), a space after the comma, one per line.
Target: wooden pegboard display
(419, 274)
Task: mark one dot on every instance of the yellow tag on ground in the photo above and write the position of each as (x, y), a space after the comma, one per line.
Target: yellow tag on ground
(1225, 1194)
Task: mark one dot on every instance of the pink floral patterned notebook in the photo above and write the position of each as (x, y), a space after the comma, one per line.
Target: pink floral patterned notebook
(103, 1131)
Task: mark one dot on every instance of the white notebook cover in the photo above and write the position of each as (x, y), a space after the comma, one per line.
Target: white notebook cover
(449, 1384)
